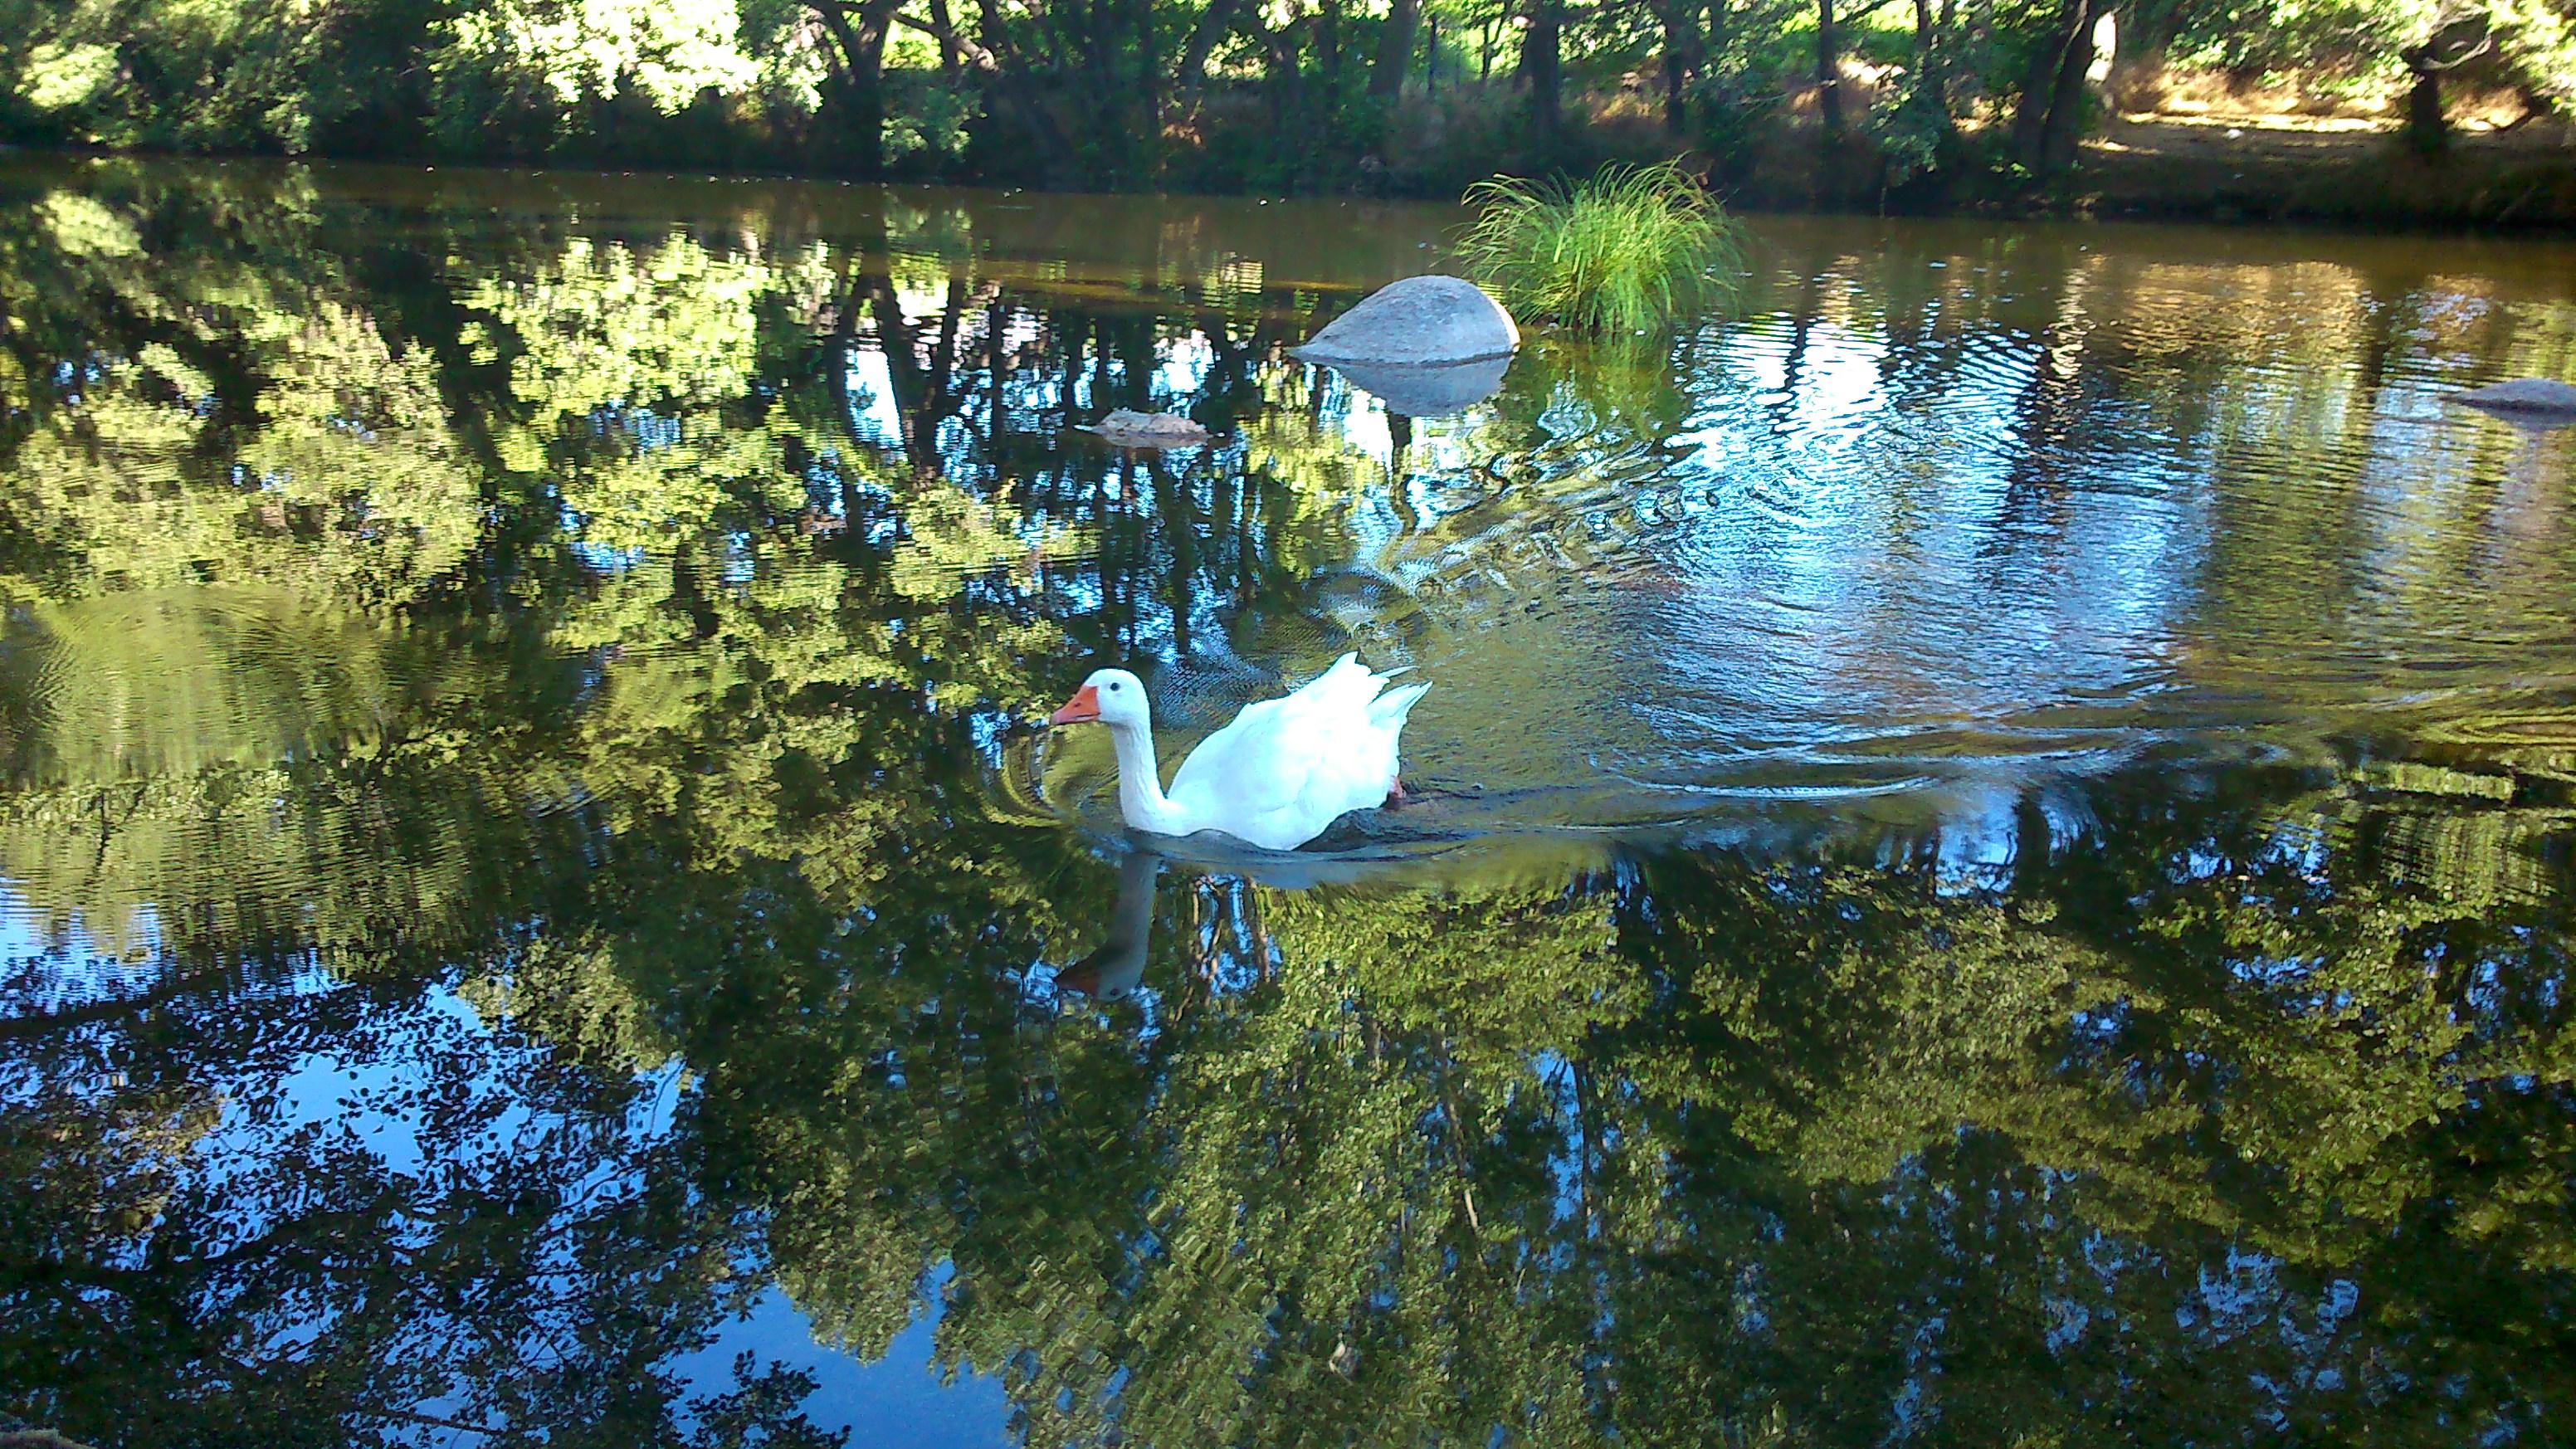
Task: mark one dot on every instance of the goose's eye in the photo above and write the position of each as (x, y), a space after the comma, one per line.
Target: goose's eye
(1114, 688)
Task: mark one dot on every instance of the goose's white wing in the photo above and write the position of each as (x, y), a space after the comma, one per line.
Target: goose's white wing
(1286, 768)
(1254, 765)
(1261, 760)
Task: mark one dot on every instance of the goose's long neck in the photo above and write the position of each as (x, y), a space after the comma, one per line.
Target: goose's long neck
(1140, 781)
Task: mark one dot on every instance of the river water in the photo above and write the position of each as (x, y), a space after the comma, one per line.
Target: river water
(1991, 861)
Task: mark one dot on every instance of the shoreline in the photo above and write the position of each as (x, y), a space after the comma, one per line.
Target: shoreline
(2157, 169)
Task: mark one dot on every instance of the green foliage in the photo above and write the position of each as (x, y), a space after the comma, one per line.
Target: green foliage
(928, 117)
(1296, 96)
(1629, 249)
(1912, 130)
(2302, 34)
(1736, 113)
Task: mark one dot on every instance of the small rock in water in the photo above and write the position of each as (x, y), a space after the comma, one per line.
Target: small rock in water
(1420, 321)
(1131, 429)
(2524, 395)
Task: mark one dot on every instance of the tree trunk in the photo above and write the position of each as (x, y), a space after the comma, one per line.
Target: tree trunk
(2454, 43)
(1543, 71)
(1829, 88)
(1286, 83)
(861, 38)
(1683, 55)
(2426, 128)
(905, 375)
(1100, 47)
(2066, 98)
(1394, 48)
(1149, 86)
(2039, 84)
(1930, 87)
(940, 17)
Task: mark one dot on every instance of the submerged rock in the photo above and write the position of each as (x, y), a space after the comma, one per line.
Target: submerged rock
(2529, 396)
(1429, 392)
(1420, 321)
(1130, 429)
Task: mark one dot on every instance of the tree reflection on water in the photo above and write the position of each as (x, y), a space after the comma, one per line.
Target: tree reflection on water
(521, 845)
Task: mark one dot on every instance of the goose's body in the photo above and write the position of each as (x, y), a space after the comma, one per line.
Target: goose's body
(1275, 777)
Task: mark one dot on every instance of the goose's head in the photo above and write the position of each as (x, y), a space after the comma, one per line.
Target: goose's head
(1110, 696)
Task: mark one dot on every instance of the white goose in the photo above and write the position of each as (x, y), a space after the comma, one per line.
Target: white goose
(1275, 777)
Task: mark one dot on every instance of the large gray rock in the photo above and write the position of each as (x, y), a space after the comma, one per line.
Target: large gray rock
(1420, 321)
(2527, 397)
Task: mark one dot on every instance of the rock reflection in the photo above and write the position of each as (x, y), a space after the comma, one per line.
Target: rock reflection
(1428, 392)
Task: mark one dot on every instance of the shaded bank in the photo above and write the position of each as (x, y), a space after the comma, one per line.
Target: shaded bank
(2155, 169)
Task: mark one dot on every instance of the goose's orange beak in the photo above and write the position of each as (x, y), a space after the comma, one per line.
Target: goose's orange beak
(1083, 708)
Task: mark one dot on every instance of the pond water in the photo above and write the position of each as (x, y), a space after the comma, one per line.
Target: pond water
(1992, 862)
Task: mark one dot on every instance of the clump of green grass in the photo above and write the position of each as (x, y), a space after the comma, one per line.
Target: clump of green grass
(1629, 249)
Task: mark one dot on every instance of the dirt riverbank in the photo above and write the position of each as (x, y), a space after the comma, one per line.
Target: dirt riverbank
(2348, 171)
(2294, 168)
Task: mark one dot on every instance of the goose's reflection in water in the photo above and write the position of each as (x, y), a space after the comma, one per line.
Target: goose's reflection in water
(1113, 971)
